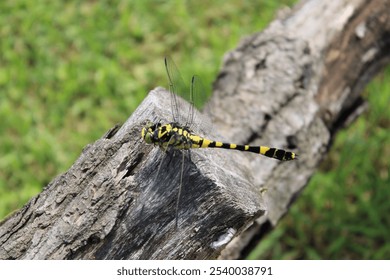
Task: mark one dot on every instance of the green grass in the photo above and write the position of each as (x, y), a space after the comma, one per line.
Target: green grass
(70, 70)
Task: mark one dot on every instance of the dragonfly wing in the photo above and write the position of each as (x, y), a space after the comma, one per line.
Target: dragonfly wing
(199, 96)
(179, 92)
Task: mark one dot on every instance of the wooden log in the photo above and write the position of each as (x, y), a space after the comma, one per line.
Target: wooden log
(292, 86)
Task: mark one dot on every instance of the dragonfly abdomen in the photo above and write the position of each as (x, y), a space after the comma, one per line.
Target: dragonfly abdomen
(200, 142)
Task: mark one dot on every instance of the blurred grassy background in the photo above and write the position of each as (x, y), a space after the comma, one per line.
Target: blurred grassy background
(70, 70)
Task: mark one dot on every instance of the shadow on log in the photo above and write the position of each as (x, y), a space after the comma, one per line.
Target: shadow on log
(291, 86)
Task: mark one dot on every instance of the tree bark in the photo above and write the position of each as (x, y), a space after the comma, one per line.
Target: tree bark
(292, 86)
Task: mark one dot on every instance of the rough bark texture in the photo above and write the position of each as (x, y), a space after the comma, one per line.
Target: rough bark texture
(291, 86)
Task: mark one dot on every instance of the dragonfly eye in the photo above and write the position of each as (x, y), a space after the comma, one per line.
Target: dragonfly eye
(147, 132)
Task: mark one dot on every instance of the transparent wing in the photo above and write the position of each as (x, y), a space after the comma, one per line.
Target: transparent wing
(182, 112)
(185, 100)
(199, 97)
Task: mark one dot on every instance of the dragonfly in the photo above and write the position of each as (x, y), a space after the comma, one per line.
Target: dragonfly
(180, 135)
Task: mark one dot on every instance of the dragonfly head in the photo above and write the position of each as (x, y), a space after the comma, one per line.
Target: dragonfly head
(148, 132)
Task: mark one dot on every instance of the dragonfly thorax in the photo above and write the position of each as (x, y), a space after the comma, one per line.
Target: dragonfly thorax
(171, 134)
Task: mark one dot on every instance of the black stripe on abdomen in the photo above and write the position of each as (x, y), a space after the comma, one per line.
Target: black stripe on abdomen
(271, 152)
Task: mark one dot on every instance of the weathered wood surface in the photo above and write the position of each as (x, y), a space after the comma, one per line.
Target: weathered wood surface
(291, 86)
